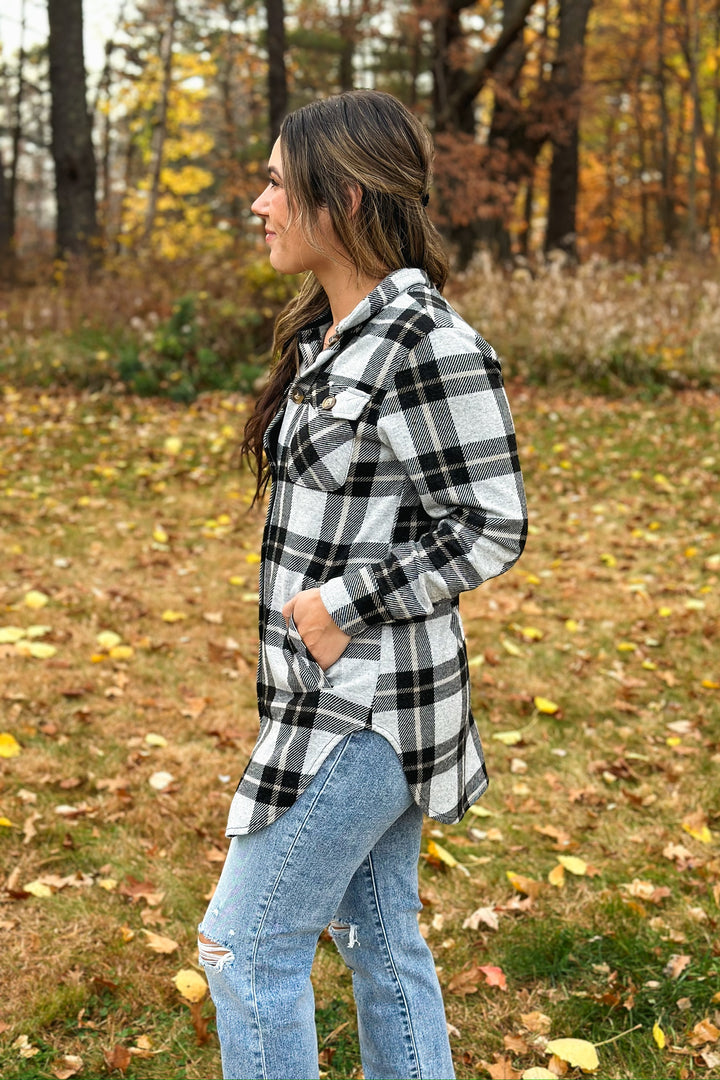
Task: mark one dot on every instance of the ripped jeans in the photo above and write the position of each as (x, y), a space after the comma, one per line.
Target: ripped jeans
(344, 854)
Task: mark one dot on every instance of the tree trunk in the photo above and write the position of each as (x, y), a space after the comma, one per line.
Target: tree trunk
(72, 147)
(160, 130)
(6, 233)
(667, 199)
(567, 84)
(277, 75)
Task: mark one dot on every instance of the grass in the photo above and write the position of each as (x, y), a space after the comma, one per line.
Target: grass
(131, 515)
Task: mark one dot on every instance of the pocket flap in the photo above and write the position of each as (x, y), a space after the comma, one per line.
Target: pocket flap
(349, 404)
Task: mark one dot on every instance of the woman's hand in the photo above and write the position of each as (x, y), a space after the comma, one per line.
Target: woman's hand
(323, 638)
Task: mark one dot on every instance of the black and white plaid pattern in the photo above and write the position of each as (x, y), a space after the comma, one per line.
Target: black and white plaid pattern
(396, 486)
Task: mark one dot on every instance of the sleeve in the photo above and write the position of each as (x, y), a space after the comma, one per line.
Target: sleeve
(447, 420)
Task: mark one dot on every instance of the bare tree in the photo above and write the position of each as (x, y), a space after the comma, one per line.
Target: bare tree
(567, 84)
(72, 147)
(277, 76)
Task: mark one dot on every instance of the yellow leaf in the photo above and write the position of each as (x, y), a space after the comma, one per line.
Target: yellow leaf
(36, 599)
(658, 1035)
(6, 822)
(710, 684)
(608, 559)
(236, 579)
(532, 579)
(571, 626)
(556, 876)
(155, 740)
(121, 652)
(435, 851)
(531, 633)
(191, 985)
(544, 705)
(511, 648)
(538, 1073)
(172, 445)
(39, 650)
(508, 738)
(664, 612)
(577, 1052)
(159, 535)
(524, 885)
(253, 557)
(160, 944)
(480, 811)
(573, 864)
(36, 888)
(108, 884)
(108, 639)
(626, 646)
(37, 631)
(10, 634)
(173, 616)
(698, 832)
(9, 746)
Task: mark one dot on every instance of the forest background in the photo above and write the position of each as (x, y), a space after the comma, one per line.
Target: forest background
(574, 913)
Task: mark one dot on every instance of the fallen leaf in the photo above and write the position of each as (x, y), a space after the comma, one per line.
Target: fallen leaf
(67, 1066)
(577, 1052)
(118, 1058)
(658, 1035)
(501, 1069)
(36, 599)
(439, 854)
(485, 915)
(573, 865)
(525, 885)
(556, 876)
(160, 944)
(508, 738)
(696, 826)
(494, 976)
(537, 1022)
(171, 616)
(676, 965)
(161, 780)
(9, 746)
(538, 1072)
(37, 888)
(190, 984)
(704, 1032)
(544, 705)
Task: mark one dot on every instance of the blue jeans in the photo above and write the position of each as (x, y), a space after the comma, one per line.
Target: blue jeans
(344, 854)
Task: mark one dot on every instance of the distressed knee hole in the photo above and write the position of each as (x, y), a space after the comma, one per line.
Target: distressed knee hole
(213, 955)
(338, 929)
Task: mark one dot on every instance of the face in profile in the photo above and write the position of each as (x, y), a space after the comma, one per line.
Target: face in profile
(290, 250)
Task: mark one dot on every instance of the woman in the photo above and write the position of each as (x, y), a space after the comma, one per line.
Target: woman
(387, 437)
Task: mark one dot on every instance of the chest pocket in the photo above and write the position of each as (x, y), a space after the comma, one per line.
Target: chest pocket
(321, 445)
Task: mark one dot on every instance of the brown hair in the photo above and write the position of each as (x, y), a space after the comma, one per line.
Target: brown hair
(361, 140)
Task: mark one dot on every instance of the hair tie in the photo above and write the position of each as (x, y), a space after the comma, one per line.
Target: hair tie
(425, 199)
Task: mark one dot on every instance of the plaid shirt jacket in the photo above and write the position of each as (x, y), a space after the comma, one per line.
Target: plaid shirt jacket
(396, 486)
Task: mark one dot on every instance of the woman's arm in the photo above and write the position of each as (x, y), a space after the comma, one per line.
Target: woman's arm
(448, 423)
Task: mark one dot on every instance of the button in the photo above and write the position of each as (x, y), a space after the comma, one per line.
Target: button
(328, 402)
(297, 396)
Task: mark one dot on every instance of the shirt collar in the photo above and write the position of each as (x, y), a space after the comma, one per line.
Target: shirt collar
(399, 281)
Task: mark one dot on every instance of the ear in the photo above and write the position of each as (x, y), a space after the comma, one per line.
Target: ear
(355, 193)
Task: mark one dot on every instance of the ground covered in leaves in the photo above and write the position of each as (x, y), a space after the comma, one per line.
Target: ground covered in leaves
(579, 900)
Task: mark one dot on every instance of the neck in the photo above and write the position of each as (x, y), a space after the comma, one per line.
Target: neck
(345, 289)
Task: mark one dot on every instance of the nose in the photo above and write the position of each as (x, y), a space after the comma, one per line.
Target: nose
(259, 207)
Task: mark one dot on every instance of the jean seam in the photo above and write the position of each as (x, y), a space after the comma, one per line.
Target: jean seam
(391, 960)
(274, 889)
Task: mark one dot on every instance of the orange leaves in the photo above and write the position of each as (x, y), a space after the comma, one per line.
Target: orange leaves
(472, 976)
